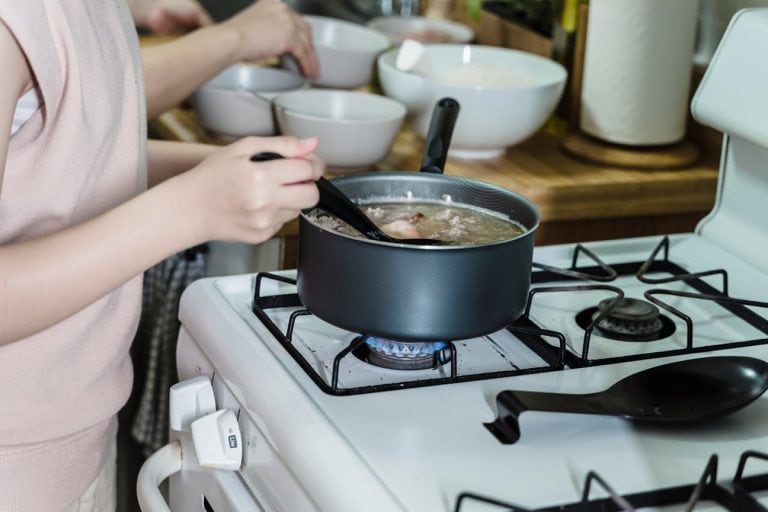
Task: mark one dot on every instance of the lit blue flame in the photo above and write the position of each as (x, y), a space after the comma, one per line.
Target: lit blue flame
(415, 350)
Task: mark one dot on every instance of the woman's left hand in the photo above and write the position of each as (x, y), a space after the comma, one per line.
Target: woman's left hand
(165, 17)
(269, 28)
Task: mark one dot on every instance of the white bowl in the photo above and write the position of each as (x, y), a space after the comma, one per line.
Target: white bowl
(356, 129)
(346, 52)
(425, 30)
(237, 102)
(505, 95)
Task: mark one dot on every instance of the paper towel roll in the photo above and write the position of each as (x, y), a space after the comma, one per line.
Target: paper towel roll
(637, 70)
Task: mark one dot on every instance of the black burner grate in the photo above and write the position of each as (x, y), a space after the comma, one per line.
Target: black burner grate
(735, 306)
(738, 497)
(553, 356)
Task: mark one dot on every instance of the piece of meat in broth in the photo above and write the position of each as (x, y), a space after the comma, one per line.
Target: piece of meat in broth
(401, 229)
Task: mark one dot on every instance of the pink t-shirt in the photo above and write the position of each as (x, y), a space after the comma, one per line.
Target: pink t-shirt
(80, 155)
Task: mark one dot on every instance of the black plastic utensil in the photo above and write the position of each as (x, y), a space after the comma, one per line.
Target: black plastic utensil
(335, 202)
(680, 392)
(265, 156)
(439, 135)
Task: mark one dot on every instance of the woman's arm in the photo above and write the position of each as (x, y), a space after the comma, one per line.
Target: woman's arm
(264, 30)
(166, 159)
(165, 17)
(226, 197)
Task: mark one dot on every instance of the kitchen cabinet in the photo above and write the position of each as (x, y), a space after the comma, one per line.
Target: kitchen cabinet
(579, 201)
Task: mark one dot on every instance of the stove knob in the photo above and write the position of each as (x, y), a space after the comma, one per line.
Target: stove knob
(189, 400)
(217, 440)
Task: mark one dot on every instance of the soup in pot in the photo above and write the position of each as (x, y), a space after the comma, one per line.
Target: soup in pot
(455, 224)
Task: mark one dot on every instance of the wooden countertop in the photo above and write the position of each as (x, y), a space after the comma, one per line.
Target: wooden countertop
(564, 188)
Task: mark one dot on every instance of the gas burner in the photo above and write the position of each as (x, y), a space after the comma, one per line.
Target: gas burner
(402, 355)
(629, 320)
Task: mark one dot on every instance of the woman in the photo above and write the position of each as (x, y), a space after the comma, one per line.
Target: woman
(78, 227)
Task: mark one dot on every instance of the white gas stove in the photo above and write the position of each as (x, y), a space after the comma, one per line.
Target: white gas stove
(333, 421)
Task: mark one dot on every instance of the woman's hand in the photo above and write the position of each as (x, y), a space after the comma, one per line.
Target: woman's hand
(165, 17)
(235, 199)
(269, 28)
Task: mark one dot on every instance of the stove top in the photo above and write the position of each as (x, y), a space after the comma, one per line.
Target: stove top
(418, 436)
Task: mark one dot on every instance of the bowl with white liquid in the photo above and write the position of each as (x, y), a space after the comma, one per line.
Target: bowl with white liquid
(505, 95)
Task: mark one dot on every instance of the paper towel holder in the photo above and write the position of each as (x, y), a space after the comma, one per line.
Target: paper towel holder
(581, 145)
(673, 156)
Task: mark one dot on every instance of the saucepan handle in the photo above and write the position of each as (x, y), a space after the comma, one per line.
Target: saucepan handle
(439, 135)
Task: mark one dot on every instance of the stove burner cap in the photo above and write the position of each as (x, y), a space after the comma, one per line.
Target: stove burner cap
(403, 355)
(629, 319)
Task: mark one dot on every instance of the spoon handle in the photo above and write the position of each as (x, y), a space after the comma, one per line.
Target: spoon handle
(265, 156)
(441, 126)
(511, 404)
(337, 203)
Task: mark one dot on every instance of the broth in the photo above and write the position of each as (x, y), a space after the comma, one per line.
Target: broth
(456, 224)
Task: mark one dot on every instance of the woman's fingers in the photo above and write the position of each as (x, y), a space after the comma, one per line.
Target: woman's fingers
(270, 28)
(287, 146)
(298, 197)
(177, 16)
(299, 164)
(304, 50)
(247, 200)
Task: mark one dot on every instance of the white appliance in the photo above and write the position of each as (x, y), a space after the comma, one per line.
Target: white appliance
(323, 430)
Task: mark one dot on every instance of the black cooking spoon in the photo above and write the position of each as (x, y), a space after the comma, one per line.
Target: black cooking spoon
(679, 392)
(335, 202)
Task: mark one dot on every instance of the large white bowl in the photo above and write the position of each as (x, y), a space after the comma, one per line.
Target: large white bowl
(425, 30)
(356, 129)
(505, 95)
(237, 101)
(346, 52)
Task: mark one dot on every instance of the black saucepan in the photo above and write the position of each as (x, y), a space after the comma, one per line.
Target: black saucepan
(419, 293)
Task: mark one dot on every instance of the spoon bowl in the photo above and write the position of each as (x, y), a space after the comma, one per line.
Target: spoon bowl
(681, 392)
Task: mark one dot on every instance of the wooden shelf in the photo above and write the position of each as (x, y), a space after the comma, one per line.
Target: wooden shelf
(566, 188)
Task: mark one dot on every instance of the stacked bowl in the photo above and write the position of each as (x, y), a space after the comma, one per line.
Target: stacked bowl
(356, 129)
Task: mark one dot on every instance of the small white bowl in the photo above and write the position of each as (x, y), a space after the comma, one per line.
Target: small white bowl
(505, 95)
(237, 101)
(356, 129)
(424, 30)
(346, 52)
